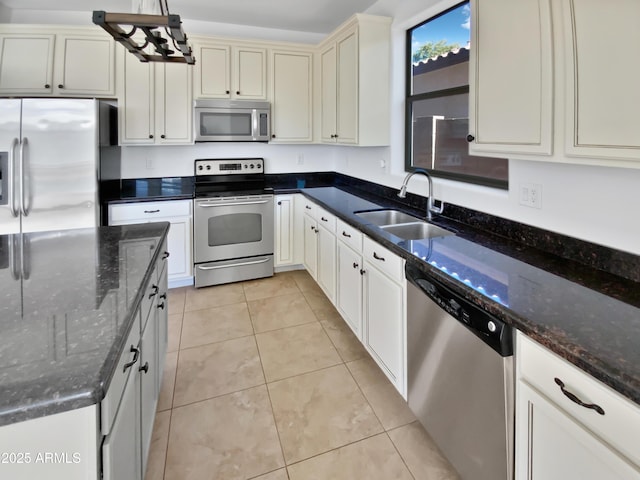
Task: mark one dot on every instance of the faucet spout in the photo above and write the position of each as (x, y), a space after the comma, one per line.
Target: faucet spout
(431, 208)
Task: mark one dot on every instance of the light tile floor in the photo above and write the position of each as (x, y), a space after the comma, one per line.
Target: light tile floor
(264, 380)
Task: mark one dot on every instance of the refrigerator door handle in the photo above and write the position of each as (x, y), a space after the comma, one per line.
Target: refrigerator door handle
(11, 180)
(23, 200)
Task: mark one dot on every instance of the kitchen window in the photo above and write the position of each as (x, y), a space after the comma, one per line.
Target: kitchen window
(437, 102)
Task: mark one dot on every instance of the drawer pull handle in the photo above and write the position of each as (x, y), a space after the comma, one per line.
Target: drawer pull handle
(375, 255)
(345, 234)
(136, 354)
(151, 211)
(165, 255)
(574, 398)
(307, 207)
(155, 289)
(324, 219)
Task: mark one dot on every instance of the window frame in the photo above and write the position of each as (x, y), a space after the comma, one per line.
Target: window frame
(408, 119)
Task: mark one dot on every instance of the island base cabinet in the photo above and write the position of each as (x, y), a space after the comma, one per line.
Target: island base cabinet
(62, 446)
(551, 446)
(349, 287)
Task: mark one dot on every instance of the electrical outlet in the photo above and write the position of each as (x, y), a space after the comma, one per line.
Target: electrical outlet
(301, 159)
(531, 195)
(149, 163)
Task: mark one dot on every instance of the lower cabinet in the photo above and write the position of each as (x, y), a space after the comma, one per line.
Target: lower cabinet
(366, 284)
(179, 213)
(556, 438)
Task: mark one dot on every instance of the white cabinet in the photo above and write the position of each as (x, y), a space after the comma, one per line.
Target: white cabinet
(349, 271)
(354, 82)
(601, 82)
(326, 253)
(384, 329)
(284, 231)
(291, 96)
(556, 438)
(70, 62)
(310, 227)
(156, 102)
(176, 212)
(230, 71)
(511, 102)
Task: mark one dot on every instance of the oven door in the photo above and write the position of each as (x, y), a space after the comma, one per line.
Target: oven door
(233, 227)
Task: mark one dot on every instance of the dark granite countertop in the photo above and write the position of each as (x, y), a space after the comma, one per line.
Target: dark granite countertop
(589, 317)
(148, 189)
(65, 317)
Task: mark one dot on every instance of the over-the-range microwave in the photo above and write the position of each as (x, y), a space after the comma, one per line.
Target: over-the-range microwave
(232, 121)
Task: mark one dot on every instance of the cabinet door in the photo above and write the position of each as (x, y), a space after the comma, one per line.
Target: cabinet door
(26, 64)
(212, 71)
(383, 334)
(327, 262)
(291, 97)
(601, 80)
(284, 230)
(329, 94)
(121, 448)
(250, 73)
(179, 245)
(174, 109)
(149, 386)
(510, 102)
(349, 287)
(311, 245)
(347, 106)
(137, 112)
(84, 66)
(550, 445)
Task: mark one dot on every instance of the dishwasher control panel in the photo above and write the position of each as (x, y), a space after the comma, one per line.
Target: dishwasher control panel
(495, 333)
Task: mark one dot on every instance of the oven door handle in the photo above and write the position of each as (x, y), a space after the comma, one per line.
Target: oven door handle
(231, 204)
(241, 264)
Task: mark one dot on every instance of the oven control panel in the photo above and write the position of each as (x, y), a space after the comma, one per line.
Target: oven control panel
(229, 166)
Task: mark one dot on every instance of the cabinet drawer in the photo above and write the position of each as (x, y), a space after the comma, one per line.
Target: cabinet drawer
(349, 235)
(111, 401)
(309, 208)
(383, 259)
(326, 219)
(620, 424)
(148, 211)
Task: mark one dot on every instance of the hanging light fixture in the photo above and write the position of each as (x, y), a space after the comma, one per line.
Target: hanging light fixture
(152, 18)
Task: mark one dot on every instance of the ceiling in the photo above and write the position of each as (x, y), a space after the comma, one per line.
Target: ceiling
(318, 16)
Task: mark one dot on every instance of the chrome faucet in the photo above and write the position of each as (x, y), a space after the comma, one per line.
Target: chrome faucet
(431, 208)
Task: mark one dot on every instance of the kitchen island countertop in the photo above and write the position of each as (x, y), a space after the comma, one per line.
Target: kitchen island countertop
(68, 303)
(589, 317)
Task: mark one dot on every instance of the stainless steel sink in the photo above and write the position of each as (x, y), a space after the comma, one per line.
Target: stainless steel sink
(416, 230)
(387, 217)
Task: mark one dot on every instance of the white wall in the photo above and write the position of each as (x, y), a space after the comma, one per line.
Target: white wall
(159, 161)
(592, 203)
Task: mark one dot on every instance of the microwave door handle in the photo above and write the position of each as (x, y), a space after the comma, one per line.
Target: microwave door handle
(11, 178)
(233, 204)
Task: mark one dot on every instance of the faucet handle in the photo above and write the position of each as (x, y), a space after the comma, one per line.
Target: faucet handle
(433, 208)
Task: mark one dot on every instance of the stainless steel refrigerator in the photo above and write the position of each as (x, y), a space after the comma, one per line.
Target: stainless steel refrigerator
(50, 162)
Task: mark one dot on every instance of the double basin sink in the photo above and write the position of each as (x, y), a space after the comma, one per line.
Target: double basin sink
(402, 225)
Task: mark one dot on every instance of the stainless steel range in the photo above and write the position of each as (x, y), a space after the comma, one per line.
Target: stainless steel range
(233, 221)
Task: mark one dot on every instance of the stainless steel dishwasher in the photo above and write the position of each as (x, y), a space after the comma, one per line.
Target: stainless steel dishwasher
(460, 378)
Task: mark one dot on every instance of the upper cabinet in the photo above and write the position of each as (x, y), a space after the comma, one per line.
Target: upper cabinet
(155, 102)
(291, 96)
(69, 62)
(354, 83)
(601, 80)
(230, 71)
(511, 80)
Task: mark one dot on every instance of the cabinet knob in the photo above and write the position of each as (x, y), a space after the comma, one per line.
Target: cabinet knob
(355, 265)
(47, 86)
(228, 92)
(273, 135)
(161, 305)
(279, 203)
(163, 136)
(144, 368)
(362, 271)
(150, 136)
(470, 138)
(238, 92)
(60, 86)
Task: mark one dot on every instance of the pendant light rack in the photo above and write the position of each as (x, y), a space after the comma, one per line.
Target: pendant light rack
(150, 25)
